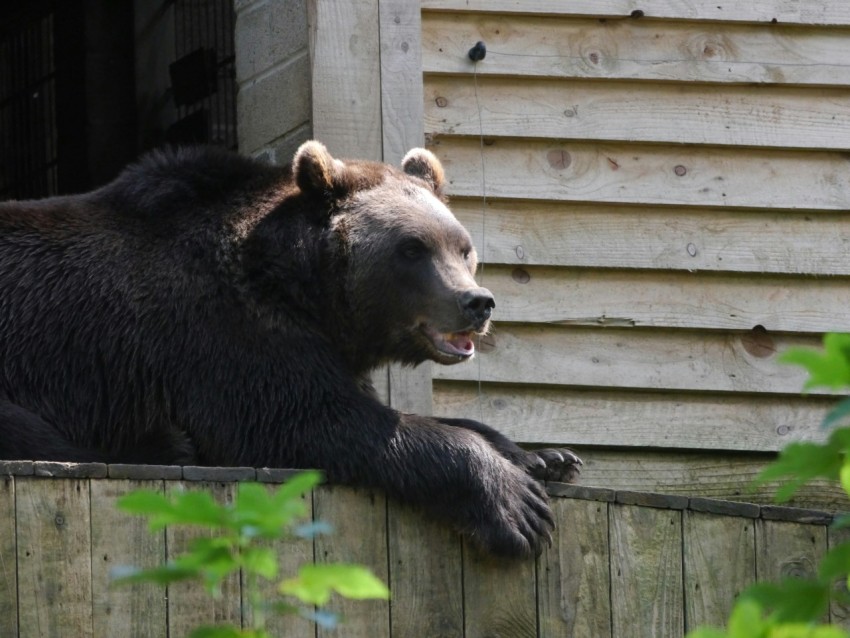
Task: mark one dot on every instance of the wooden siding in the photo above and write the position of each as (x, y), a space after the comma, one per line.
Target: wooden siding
(667, 192)
(621, 563)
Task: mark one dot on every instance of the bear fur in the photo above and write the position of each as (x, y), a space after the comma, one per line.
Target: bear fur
(209, 309)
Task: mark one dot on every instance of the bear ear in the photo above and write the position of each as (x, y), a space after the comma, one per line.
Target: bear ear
(314, 169)
(422, 163)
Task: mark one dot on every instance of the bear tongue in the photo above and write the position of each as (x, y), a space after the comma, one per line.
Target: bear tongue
(459, 343)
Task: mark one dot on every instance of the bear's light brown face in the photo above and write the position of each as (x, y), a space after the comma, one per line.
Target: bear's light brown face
(410, 276)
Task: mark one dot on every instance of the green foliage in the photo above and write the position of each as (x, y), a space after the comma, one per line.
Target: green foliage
(238, 542)
(792, 608)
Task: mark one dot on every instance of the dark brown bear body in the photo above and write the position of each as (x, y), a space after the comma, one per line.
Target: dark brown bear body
(208, 309)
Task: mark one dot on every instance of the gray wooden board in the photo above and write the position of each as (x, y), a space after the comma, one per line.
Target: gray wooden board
(719, 553)
(426, 578)
(8, 560)
(646, 572)
(359, 519)
(573, 579)
(54, 557)
(120, 540)
(189, 605)
(839, 613)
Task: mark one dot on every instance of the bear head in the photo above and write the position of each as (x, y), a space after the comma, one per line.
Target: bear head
(403, 265)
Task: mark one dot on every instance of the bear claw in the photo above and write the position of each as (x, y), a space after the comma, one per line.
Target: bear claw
(561, 465)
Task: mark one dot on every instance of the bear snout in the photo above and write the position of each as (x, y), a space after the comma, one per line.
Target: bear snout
(477, 305)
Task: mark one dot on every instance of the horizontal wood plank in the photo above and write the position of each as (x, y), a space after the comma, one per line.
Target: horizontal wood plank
(667, 299)
(645, 174)
(778, 117)
(624, 358)
(533, 414)
(780, 11)
(604, 236)
(727, 477)
(570, 48)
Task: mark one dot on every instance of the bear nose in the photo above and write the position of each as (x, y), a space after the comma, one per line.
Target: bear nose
(477, 304)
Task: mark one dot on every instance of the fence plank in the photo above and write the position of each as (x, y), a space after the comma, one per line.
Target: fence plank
(54, 557)
(534, 414)
(786, 549)
(8, 560)
(720, 557)
(359, 519)
(613, 236)
(625, 358)
(646, 174)
(575, 48)
(710, 301)
(784, 11)
(426, 578)
(638, 112)
(499, 596)
(189, 605)
(646, 572)
(119, 539)
(727, 476)
(573, 578)
(839, 612)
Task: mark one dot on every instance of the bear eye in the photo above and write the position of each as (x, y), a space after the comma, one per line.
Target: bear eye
(465, 253)
(413, 250)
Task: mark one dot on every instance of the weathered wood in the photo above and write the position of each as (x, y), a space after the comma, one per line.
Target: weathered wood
(346, 71)
(534, 414)
(54, 557)
(726, 477)
(638, 112)
(646, 174)
(666, 299)
(189, 605)
(573, 578)
(624, 358)
(646, 572)
(720, 555)
(499, 597)
(614, 236)
(426, 576)
(8, 560)
(784, 11)
(839, 613)
(359, 519)
(119, 539)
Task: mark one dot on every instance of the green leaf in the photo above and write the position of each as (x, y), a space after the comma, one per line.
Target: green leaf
(838, 414)
(223, 631)
(160, 575)
(746, 620)
(297, 486)
(836, 563)
(829, 368)
(792, 600)
(314, 583)
(260, 560)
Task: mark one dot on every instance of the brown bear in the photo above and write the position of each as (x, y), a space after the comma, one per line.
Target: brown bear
(205, 308)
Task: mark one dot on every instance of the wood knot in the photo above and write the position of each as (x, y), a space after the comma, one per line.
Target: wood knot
(559, 159)
(520, 275)
(759, 343)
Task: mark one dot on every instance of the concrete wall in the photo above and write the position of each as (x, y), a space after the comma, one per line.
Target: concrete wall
(273, 75)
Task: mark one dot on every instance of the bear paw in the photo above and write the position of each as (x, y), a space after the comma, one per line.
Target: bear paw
(555, 464)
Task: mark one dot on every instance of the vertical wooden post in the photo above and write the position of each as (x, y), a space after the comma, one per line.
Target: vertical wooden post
(8, 560)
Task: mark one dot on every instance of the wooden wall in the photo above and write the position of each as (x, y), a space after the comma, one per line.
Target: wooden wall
(666, 191)
(622, 564)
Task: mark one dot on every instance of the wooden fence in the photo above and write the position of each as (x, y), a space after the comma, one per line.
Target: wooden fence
(621, 564)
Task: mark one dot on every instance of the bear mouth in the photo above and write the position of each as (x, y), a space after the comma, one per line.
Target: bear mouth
(451, 347)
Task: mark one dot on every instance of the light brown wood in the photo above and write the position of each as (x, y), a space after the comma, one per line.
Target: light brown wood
(620, 173)
(637, 359)
(573, 579)
(120, 540)
(723, 476)
(534, 414)
(638, 112)
(646, 572)
(720, 562)
(8, 560)
(346, 70)
(359, 519)
(54, 557)
(499, 597)
(615, 236)
(572, 297)
(426, 576)
(783, 11)
(189, 605)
